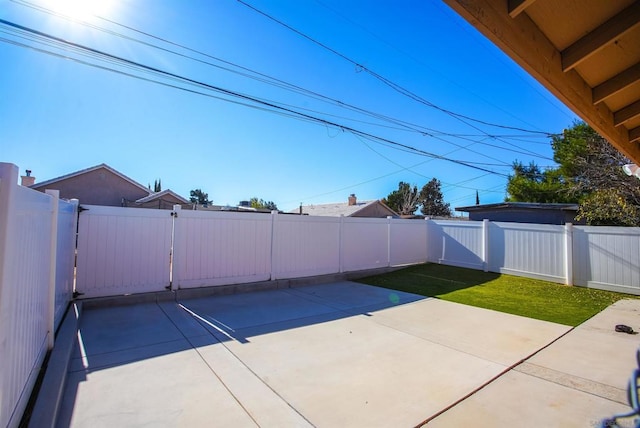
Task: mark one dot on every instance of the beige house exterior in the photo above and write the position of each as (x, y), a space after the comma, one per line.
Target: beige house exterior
(351, 208)
(103, 185)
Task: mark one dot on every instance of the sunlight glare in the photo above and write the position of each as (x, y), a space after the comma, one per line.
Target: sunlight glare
(81, 9)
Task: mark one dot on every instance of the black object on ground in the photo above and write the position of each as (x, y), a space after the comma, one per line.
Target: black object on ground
(621, 328)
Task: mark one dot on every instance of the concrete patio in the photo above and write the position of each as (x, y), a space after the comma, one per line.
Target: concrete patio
(338, 355)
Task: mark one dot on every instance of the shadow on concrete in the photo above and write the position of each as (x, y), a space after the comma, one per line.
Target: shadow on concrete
(119, 335)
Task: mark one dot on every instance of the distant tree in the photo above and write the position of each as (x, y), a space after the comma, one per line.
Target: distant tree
(157, 186)
(261, 204)
(404, 201)
(197, 196)
(609, 208)
(432, 201)
(589, 173)
(589, 163)
(529, 183)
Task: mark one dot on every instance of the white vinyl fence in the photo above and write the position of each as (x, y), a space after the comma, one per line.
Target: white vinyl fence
(223, 248)
(456, 243)
(606, 258)
(37, 245)
(123, 250)
(130, 250)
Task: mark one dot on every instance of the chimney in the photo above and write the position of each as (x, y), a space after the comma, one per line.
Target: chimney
(27, 180)
(352, 199)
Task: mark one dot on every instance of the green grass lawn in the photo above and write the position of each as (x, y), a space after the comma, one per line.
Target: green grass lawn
(506, 293)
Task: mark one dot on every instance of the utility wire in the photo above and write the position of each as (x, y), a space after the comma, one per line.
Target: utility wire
(422, 63)
(384, 80)
(424, 131)
(237, 95)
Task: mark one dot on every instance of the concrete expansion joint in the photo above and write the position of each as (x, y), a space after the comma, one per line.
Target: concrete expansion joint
(574, 382)
(219, 376)
(493, 379)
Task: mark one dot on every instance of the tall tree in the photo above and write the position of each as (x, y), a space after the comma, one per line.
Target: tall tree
(404, 201)
(197, 196)
(157, 186)
(262, 204)
(432, 200)
(589, 163)
(589, 172)
(529, 183)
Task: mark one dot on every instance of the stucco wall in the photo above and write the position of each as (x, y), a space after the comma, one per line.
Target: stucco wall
(98, 187)
(373, 210)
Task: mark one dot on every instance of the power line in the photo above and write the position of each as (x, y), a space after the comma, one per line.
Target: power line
(249, 73)
(234, 94)
(383, 79)
(422, 63)
(264, 78)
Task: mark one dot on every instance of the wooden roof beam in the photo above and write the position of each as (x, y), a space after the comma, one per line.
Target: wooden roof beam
(516, 7)
(601, 37)
(524, 42)
(634, 135)
(616, 84)
(626, 114)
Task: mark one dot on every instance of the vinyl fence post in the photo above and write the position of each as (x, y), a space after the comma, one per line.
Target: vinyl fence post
(174, 283)
(485, 245)
(74, 228)
(341, 244)
(427, 244)
(274, 219)
(53, 249)
(568, 253)
(389, 241)
(8, 186)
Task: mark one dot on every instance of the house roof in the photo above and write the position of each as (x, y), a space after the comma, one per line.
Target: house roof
(91, 169)
(159, 195)
(586, 52)
(519, 206)
(338, 208)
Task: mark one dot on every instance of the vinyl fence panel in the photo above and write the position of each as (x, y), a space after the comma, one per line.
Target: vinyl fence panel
(456, 243)
(123, 250)
(364, 243)
(25, 269)
(408, 241)
(305, 246)
(65, 257)
(531, 250)
(215, 248)
(607, 258)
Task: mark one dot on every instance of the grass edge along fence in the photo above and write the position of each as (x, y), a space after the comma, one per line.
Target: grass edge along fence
(528, 297)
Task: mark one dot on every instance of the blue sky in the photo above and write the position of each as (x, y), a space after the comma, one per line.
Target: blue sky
(58, 115)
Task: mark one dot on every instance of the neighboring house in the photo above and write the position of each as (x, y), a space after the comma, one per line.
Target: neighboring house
(524, 212)
(165, 199)
(103, 185)
(351, 208)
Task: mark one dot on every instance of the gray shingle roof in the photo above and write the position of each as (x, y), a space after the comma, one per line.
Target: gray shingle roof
(335, 209)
